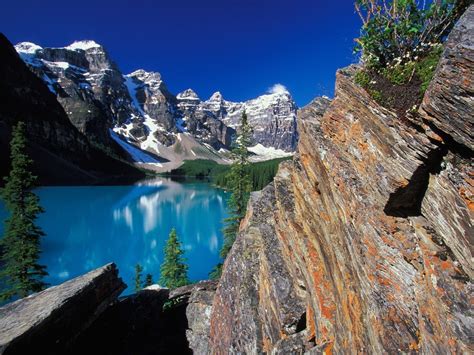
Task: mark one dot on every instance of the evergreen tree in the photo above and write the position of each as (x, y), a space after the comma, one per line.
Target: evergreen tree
(216, 272)
(138, 277)
(21, 274)
(173, 271)
(148, 280)
(239, 183)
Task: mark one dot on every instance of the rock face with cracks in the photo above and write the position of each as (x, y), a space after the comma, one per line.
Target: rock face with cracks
(364, 242)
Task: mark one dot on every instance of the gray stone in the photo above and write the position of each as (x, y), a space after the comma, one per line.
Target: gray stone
(48, 322)
(448, 103)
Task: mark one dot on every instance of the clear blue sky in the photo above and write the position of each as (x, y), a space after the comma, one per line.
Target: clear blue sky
(239, 47)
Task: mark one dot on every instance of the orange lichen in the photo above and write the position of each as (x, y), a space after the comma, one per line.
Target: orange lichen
(310, 324)
(466, 196)
(446, 265)
(328, 349)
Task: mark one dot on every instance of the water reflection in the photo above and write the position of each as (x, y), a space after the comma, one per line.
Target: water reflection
(87, 227)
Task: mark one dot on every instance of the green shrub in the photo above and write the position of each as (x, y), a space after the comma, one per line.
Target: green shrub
(399, 74)
(365, 79)
(377, 96)
(425, 69)
(362, 78)
(397, 32)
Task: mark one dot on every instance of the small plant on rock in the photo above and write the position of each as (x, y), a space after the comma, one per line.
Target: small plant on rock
(400, 46)
(400, 31)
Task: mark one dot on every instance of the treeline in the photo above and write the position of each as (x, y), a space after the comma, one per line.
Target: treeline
(200, 169)
(261, 173)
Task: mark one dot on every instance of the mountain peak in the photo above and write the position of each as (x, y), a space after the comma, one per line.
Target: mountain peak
(27, 47)
(144, 75)
(217, 96)
(187, 94)
(83, 45)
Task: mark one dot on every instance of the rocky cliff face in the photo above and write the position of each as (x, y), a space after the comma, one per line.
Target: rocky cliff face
(60, 152)
(86, 83)
(143, 113)
(272, 117)
(364, 242)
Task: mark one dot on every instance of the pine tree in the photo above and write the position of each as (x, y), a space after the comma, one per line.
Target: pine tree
(21, 274)
(216, 272)
(240, 185)
(148, 280)
(138, 277)
(173, 271)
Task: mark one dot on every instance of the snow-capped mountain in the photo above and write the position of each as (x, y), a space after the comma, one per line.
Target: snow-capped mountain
(272, 117)
(138, 112)
(60, 153)
(86, 82)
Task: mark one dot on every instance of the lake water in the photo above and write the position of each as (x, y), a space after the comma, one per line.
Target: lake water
(89, 226)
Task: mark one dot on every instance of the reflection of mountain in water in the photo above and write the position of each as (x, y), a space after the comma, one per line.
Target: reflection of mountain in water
(89, 226)
(149, 200)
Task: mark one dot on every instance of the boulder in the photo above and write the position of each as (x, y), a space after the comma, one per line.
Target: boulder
(48, 322)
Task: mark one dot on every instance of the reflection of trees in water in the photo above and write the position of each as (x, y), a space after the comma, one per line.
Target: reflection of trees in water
(129, 224)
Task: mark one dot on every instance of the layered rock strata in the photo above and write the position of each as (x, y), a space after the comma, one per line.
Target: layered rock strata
(363, 244)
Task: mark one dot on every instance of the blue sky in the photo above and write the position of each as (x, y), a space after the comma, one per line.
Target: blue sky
(239, 47)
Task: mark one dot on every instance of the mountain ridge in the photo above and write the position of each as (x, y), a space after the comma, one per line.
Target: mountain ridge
(60, 152)
(142, 112)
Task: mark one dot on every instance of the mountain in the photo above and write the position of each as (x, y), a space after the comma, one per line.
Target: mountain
(86, 83)
(61, 153)
(137, 112)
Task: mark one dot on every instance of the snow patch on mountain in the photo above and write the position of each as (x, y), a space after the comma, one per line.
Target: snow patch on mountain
(265, 153)
(27, 47)
(83, 45)
(151, 142)
(132, 90)
(27, 52)
(136, 154)
(61, 65)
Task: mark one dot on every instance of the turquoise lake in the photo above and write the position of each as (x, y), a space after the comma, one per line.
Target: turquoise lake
(89, 226)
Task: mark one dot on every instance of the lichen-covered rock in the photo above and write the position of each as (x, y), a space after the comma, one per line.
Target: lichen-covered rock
(449, 100)
(371, 227)
(257, 295)
(49, 321)
(199, 299)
